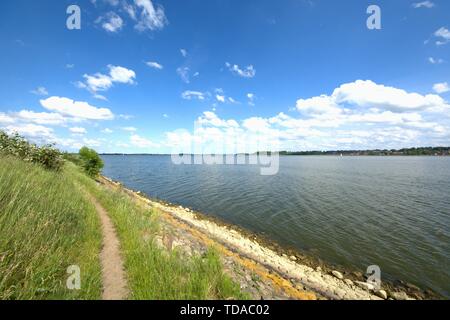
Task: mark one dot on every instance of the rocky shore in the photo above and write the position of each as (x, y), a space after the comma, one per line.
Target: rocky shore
(262, 270)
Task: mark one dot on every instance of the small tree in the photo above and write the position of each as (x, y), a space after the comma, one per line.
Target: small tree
(91, 161)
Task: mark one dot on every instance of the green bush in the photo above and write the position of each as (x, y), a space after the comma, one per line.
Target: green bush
(73, 157)
(91, 161)
(17, 146)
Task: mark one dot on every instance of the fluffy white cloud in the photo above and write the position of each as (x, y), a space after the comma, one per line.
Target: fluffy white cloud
(129, 129)
(111, 22)
(184, 52)
(358, 115)
(444, 34)
(368, 94)
(121, 74)
(251, 99)
(141, 142)
(189, 95)
(183, 72)
(423, 4)
(441, 87)
(76, 109)
(248, 72)
(107, 131)
(78, 130)
(4, 118)
(31, 130)
(220, 98)
(435, 61)
(101, 82)
(41, 117)
(151, 17)
(154, 65)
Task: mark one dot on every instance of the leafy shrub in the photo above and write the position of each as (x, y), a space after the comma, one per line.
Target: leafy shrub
(73, 157)
(91, 161)
(17, 146)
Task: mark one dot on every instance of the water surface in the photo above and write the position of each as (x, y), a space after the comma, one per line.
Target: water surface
(352, 211)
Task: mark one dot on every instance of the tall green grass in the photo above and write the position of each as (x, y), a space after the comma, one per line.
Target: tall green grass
(46, 225)
(153, 273)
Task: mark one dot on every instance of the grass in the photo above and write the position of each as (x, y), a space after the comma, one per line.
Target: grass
(153, 273)
(46, 225)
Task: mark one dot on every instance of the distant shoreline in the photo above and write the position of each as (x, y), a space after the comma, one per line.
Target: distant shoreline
(418, 151)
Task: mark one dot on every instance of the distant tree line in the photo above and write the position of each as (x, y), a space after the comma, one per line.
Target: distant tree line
(427, 151)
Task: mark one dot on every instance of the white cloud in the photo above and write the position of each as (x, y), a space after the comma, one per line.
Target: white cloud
(184, 52)
(190, 95)
(444, 34)
(107, 131)
(151, 17)
(41, 117)
(78, 130)
(154, 65)
(40, 91)
(248, 72)
(126, 116)
(31, 130)
(102, 82)
(96, 82)
(112, 22)
(358, 115)
(100, 97)
(129, 129)
(141, 142)
(183, 72)
(368, 94)
(4, 118)
(220, 98)
(76, 109)
(251, 99)
(423, 4)
(441, 87)
(121, 74)
(435, 61)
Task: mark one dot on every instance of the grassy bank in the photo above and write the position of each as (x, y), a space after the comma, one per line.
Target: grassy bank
(154, 273)
(46, 225)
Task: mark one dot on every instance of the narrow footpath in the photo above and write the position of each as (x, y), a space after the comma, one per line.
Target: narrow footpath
(115, 285)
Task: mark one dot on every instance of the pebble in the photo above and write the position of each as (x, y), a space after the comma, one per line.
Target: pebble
(337, 274)
(399, 296)
(293, 258)
(365, 285)
(382, 294)
(349, 282)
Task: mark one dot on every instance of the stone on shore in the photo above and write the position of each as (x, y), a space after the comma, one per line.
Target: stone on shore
(348, 282)
(382, 294)
(337, 274)
(365, 285)
(399, 296)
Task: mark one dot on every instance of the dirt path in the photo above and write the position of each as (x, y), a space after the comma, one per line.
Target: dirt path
(115, 285)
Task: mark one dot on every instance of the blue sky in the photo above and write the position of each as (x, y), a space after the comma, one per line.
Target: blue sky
(226, 76)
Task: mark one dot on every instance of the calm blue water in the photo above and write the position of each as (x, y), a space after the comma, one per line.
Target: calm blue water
(353, 211)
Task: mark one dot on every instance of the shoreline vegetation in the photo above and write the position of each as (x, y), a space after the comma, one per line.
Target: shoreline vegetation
(49, 221)
(425, 151)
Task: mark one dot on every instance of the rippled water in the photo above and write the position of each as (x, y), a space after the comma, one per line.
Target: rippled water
(353, 211)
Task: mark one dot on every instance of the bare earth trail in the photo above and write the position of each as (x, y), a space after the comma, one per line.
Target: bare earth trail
(115, 285)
